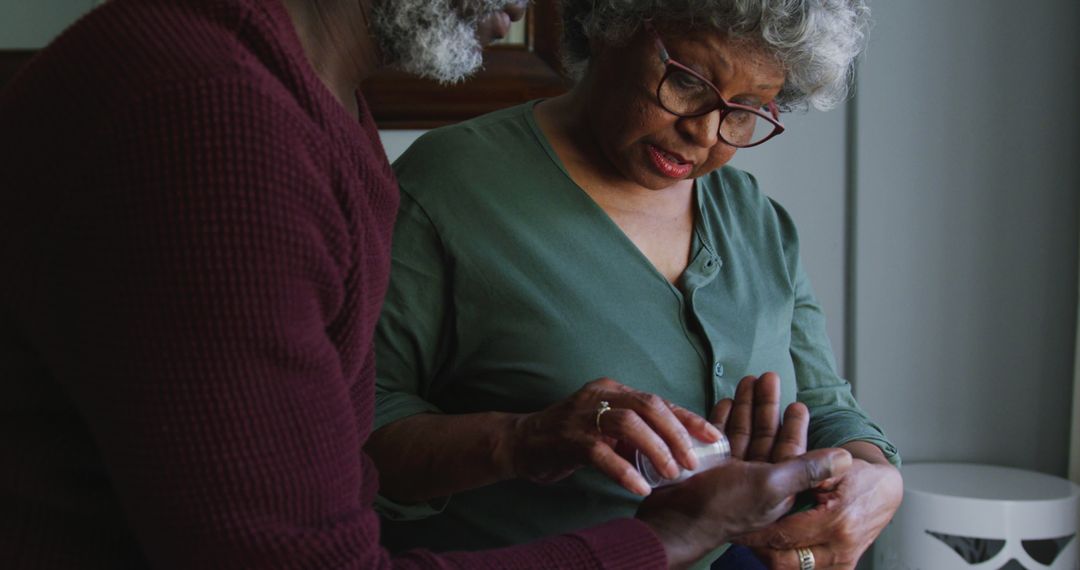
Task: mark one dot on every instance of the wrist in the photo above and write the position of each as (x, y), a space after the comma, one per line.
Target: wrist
(504, 445)
(677, 535)
(888, 483)
(867, 452)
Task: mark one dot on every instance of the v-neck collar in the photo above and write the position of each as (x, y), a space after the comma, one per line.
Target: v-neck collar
(704, 262)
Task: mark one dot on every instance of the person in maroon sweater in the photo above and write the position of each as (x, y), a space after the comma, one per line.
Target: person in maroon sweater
(195, 226)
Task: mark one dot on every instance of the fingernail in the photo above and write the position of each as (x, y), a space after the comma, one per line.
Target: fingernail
(836, 464)
(690, 461)
(672, 469)
(842, 460)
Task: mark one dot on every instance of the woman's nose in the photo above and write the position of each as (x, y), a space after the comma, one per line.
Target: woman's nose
(703, 130)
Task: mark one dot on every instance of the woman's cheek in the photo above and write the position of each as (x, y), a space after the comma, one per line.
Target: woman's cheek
(720, 155)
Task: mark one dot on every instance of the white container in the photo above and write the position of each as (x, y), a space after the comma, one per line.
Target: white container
(962, 516)
(709, 455)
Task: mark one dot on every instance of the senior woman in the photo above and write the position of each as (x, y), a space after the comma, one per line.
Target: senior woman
(600, 235)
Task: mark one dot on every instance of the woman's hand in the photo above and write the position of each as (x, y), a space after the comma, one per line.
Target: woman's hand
(741, 496)
(731, 499)
(851, 511)
(752, 421)
(549, 445)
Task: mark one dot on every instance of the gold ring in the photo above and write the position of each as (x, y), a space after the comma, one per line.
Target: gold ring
(806, 558)
(603, 407)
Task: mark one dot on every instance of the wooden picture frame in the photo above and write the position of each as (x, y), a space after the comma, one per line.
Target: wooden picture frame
(511, 75)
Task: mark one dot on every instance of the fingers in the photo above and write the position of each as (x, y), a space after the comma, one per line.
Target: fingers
(789, 558)
(720, 413)
(801, 473)
(656, 413)
(696, 425)
(766, 417)
(791, 439)
(630, 429)
(661, 430)
(739, 425)
(807, 527)
(604, 458)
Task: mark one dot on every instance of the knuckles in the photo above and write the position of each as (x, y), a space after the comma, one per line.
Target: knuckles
(654, 403)
(779, 539)
(595, 451)
(632, 420)
(603, 383)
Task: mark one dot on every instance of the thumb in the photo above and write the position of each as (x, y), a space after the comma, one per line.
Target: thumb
(809, 470)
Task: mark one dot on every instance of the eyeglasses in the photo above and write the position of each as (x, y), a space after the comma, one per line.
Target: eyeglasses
(685, 93)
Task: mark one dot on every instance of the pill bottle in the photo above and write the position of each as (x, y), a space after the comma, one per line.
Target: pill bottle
(709, 455)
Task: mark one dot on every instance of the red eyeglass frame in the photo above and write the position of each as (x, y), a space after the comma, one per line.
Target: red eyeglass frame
(723, 105)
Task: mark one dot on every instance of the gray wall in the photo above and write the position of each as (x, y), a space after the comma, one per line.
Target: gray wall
(804, 170)
(33, 23)
(966, 235)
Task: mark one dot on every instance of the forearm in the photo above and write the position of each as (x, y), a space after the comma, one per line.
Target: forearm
(426, 456)
(837, 426)
(621, 544)
(866, 451)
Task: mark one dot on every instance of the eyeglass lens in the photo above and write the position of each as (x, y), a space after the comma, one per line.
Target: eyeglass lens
(686, 95)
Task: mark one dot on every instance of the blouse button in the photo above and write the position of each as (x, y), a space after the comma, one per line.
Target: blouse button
(718, 369)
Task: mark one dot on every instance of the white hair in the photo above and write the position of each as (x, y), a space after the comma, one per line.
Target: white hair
(816, 41)
(431, 38)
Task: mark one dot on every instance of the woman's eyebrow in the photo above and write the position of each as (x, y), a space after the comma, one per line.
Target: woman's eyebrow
(703, 64)
(724, 64)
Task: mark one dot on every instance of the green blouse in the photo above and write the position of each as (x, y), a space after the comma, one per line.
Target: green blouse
(511, 288)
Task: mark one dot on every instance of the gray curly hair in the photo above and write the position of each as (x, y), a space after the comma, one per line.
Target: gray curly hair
(816, 41)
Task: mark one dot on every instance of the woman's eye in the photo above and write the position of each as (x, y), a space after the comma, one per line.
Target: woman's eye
(740, 117)
(686, 82)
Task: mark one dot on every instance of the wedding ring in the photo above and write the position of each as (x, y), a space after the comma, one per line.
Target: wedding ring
(603, 407)
(806, 558)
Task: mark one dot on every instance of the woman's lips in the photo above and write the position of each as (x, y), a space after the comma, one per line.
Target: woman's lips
(669, 164)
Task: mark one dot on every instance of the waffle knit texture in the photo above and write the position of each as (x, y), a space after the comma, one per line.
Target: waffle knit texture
(195, 239)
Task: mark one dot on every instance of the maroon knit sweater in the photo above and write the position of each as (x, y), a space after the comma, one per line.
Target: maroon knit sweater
(195, 241)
